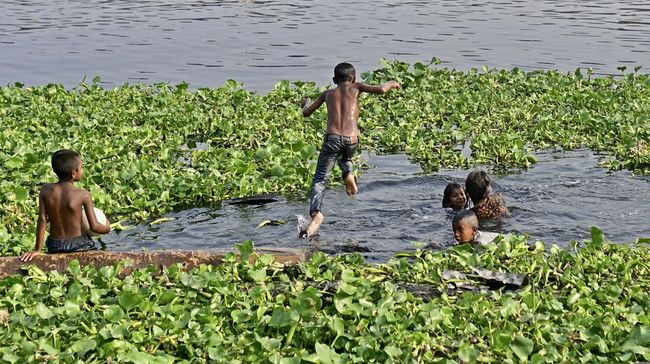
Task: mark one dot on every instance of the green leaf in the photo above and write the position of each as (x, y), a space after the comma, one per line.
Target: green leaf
(138, 357)
(522, 347)
(597, 236)
(509, 308)
(268, 343)
(281, 318)
(392, 351)
(245, 249)
(83, 346)
(258, 275)
(338, 325)
(468, 354)
(113, 313)
(325, 354)
(29, 347)
(22, 194)
(14, 163)
(11, 358)
(43, 311)
(128, 300)
(71, 308)
(639, 337)
(239, 316)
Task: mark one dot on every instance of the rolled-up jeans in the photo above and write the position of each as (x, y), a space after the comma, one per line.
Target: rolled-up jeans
(333, 147)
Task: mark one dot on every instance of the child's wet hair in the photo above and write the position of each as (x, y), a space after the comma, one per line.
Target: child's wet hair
(464, 215)
(446, 195)
(477, 185)
(65, 161)
(344, 72)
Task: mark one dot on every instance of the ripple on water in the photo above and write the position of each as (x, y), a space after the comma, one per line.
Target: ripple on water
(90, 32)
(555, 201)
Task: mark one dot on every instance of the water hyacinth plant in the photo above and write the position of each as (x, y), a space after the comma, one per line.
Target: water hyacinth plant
(153, 149)
(587, 305)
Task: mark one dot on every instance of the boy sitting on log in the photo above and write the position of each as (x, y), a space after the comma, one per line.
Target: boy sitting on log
(61, 205)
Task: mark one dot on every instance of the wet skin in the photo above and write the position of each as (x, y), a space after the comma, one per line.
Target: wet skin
(457, 199)
(465, 231)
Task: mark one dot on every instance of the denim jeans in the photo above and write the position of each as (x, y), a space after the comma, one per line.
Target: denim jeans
(333, 146)
(78, 244)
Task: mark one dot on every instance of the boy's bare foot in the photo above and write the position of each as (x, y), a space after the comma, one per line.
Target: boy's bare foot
(351, 184)
(316, 221)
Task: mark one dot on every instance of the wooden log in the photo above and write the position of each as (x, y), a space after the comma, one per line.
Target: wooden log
(163, 258)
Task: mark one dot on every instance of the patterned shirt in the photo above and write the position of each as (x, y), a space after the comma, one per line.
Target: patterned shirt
(491, 207)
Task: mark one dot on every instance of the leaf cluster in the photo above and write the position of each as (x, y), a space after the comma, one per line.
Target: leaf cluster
(149, 150)
(586, 305)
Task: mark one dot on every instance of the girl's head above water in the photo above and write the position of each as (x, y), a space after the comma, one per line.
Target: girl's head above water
(478, 186)
(455, 197)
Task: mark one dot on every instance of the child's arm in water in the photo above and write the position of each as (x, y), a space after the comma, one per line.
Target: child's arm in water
(41, 224)
(307, 110)
(378, 89)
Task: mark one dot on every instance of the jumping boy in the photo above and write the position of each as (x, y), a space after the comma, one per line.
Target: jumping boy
(342, 137)
(61, 204)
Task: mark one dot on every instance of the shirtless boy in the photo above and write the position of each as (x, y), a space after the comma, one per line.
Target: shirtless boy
(61, 204)
(342, 137)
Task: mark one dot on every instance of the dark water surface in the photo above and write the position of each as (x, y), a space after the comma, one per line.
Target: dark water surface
(262, 42)
(555, 201)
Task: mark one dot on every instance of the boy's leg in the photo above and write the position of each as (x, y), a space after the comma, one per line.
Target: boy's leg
(326, 160)
(347, 167)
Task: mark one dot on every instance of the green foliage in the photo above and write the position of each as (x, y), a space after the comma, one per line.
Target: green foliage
(587, 305)
(152, 149)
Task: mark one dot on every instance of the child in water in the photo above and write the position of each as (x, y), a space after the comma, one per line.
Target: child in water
(61, 204)
(342, 137)
(455, 197)
(487, 204)
(465, 225)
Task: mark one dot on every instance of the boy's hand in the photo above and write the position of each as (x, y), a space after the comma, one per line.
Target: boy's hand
(394, 84)
(29, 256)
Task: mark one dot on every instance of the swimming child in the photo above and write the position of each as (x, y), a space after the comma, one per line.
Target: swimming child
(61, 204)
(465, 225)
(342, 138)
(487, 204)
(455, 197)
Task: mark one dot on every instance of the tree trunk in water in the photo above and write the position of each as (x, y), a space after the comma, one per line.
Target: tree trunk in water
(190, 259)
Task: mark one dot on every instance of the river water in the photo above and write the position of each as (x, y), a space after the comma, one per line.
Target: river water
(557, 200)
(261, 42)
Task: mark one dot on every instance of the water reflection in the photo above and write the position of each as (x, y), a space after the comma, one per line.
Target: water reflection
(261, 42)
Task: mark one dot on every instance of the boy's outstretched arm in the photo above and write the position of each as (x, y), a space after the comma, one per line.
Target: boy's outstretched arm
(92, 219)
(378, 89)
(307, 110)
(41, 224)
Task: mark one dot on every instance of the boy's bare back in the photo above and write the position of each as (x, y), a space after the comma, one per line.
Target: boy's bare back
(343, 105)
(63, 204)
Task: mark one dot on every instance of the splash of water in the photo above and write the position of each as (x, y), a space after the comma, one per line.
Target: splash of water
(303, 223)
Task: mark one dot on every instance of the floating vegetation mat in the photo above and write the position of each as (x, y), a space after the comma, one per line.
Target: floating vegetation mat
(589, 304)
(153, 149)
